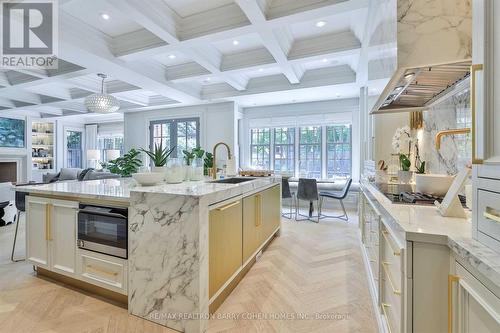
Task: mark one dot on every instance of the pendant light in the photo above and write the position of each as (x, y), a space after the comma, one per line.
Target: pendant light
(102, 102)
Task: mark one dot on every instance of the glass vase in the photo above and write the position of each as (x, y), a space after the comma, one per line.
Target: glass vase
(175, 171)
(196, 169)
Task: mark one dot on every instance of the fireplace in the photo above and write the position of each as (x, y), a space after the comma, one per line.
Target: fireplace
(8, 172)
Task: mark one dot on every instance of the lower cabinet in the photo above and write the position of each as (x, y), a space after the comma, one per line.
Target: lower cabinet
(474, 307)
(51, 234)
(225, 244)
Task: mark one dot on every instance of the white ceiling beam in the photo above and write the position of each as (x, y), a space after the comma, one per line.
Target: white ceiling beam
(258, 18)
(7, 103)
(90, 49)
(21, 96)
(153, 19)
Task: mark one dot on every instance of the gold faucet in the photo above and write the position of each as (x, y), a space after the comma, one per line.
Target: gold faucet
(214, 167)
(440, 134)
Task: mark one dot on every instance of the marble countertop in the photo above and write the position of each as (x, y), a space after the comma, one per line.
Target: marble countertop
(425, 224)
(120, 189)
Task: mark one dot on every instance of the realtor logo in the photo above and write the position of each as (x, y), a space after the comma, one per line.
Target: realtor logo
(29, 34)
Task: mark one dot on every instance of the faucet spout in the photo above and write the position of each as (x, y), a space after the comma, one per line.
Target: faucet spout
(440, 134)
(214, 166)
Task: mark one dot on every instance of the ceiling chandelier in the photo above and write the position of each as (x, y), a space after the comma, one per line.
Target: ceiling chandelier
(102, 102)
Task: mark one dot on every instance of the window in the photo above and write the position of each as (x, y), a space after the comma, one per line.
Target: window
(310, 151)
(338, 151)
(74, 149)
(106, 143)
(284, 150)
(183, 133)
(260, 147)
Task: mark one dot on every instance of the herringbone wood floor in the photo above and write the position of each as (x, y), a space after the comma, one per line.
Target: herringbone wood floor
(310, 269)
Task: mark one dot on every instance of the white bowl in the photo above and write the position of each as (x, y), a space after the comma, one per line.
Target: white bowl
(148, 178)
(433, 184)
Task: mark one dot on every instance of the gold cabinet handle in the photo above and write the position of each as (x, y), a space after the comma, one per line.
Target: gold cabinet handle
(258, 210)
(488, 214)
(385, 266)
(473, 70)
(384, 307)
(98, 269)
(451, 279)
(386, 236)
(223, 208)
(48, 217)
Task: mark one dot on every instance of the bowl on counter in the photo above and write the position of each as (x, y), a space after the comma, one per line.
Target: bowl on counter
(435, 184)
(148, 178)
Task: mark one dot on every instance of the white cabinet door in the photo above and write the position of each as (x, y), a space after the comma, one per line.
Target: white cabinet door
(63, 236)
(476, 307)
(37, 244)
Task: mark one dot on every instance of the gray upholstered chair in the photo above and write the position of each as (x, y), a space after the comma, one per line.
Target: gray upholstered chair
(340, 196)
(287, 194)
(307, 191)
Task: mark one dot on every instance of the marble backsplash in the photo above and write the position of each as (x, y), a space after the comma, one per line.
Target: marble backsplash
(455, 152)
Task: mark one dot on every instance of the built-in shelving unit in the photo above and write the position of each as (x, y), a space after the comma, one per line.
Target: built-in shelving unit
(42, 146)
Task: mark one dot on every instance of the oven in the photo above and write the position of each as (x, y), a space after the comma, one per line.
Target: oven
(103, 230)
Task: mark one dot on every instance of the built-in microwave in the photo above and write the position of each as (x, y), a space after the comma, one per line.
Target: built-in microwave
(103, 230)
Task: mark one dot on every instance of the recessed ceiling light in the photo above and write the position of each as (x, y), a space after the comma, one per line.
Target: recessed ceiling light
(261, 69)
(105, 16)
(207, 80)
(338, 95)
(236, 42)
(320, 24)
(172, 56)
(324, 60)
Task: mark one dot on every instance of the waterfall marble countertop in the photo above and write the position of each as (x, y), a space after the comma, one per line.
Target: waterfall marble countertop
(120, 189)
(425, 224)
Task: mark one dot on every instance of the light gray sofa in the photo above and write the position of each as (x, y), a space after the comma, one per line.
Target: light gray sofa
(78, 174)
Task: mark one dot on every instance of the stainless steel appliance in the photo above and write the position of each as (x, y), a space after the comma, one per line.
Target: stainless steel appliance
(103, 229)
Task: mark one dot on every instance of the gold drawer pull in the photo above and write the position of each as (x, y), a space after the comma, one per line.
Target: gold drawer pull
(384, 306)
(488, 214)
(258, 210)
(100, 270)
(451, 279)
(48, 217)
(223, 208)
(385, 265)
(386, 236)
(473, 69)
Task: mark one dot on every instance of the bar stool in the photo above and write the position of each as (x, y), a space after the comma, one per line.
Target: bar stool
(287, 194)
(21, 207)
(340, 196)
(308, 191)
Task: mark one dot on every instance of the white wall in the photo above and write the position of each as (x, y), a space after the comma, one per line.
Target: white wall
(324, 112)
(385, 127)
(218, 122)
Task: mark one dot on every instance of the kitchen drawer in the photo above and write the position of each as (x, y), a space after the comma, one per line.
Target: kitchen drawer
(102, 270)
(391, 305)
(488, 213)
(391, 252)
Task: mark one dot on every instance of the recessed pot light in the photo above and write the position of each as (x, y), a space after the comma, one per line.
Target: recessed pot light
(261, 69)
(324, 60)
(236, 42)
(172, 56)
(105, 16)
(320, 24)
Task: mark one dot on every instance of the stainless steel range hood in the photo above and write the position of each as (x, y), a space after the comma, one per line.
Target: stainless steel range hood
(433, 54)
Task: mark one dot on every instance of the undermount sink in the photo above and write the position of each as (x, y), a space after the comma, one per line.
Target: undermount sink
(235, 180)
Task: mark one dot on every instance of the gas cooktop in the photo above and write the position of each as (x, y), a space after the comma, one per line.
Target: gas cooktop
(405, 194)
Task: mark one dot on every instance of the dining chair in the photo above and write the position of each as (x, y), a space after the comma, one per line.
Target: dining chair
(307, 191)
(340, 196)
(286, 193)
(21, 208)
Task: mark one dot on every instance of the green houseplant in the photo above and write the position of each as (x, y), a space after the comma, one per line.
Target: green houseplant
(159, 155)
(208, 162)
(125, 165)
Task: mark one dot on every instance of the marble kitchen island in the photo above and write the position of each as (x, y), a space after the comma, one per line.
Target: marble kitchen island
(181, 237)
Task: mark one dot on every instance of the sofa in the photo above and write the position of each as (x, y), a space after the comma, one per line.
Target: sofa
(78, 174)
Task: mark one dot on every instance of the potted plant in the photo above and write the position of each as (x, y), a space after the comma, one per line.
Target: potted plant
(159, 157)
(401, 143)
(125, 165)
(208, 163)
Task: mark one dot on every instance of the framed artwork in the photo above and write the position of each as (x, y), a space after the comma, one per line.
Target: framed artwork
(12, 133)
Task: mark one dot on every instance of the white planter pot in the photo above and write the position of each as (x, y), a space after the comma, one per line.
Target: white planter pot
(405, 176)
(162, 169)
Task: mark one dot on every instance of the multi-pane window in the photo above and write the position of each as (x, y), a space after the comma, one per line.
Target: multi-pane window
(260, 147)
(106, 143)
(284, 150)
(310, 151)
(338, 151)
(182, 133)
(74, 149)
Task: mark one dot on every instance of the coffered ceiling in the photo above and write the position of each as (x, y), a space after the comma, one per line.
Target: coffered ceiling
(167, 53)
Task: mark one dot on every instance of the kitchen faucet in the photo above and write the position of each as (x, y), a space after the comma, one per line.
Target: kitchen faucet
(214, 166)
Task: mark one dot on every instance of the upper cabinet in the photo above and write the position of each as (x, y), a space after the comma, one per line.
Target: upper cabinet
(486, 87)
